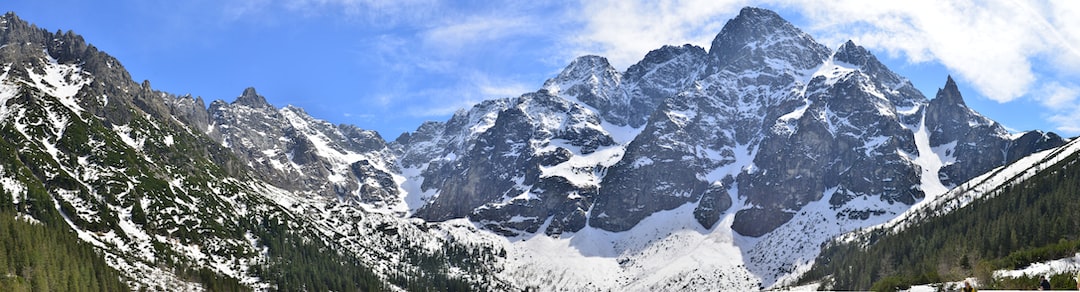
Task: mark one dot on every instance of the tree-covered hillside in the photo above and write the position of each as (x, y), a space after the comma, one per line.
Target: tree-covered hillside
(1034, 220)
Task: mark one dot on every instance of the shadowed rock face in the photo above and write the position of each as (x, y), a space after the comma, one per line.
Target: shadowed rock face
(977, 143)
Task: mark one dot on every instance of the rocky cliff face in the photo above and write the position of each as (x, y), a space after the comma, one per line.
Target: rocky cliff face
(767, 117)
(292, 150)
(508, 174)
(973, 144)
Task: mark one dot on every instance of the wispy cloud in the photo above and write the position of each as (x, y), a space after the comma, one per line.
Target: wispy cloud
(475, 30)
(1062, 99)
(473, 87)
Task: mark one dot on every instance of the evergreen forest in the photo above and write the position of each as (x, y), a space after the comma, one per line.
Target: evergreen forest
(1029, 221)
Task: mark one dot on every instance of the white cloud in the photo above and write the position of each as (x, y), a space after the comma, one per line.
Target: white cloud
(623, 31)
(1062, 102)
(1067, 120)
(1056, 95)
(475, 86)
(490, 87)
(458, 35)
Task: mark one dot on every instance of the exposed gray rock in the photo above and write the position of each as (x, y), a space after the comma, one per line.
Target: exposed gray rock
(292, 150)
(976, 143)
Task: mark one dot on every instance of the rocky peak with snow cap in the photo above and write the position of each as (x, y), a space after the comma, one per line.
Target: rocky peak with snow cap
(518, 168)
(252, 99)
(593, 81)
(659, 76)
(896, 88)
(950, 96)
(757, 35)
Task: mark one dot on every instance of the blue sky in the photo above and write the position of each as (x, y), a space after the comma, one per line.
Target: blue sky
(390, 65)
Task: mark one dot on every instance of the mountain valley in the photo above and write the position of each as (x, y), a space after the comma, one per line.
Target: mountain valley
(764, 161)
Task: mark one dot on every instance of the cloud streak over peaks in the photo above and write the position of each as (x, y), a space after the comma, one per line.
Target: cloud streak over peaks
(1007, 50)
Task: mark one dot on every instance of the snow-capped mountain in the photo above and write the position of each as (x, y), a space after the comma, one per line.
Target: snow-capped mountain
(176, 199)
(724, 168)
(768, 137)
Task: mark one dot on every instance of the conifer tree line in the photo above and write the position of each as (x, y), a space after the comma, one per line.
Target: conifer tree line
(42, 253)
(1032, 221)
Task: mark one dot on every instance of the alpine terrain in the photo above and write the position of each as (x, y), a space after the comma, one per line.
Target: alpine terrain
(726, 168)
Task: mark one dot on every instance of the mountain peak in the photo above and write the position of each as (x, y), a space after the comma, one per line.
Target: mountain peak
(582, 70)
(752, 24)
(588, 65)
(950, 94)
(757, 34)
(750, 12)
(252, 99)
(950, 84)
(849, 51)
(10, 16)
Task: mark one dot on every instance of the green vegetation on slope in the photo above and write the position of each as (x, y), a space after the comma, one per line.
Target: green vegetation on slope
(43, 254)
(36, 257)
(1033, 221)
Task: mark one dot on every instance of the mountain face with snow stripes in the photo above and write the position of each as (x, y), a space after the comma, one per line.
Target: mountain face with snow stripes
(767, 116)
(719, 168)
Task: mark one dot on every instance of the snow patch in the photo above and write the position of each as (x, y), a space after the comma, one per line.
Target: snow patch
(62, 81)
(666, 251)
(125, 133)
(785, 254)
(582, 170)
(1069, 265)
(13, 187)
(930, 162)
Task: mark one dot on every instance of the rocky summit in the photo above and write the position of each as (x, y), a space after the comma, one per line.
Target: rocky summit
(741, 159)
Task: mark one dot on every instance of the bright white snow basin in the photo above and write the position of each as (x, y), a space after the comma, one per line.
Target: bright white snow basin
(668, 250)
